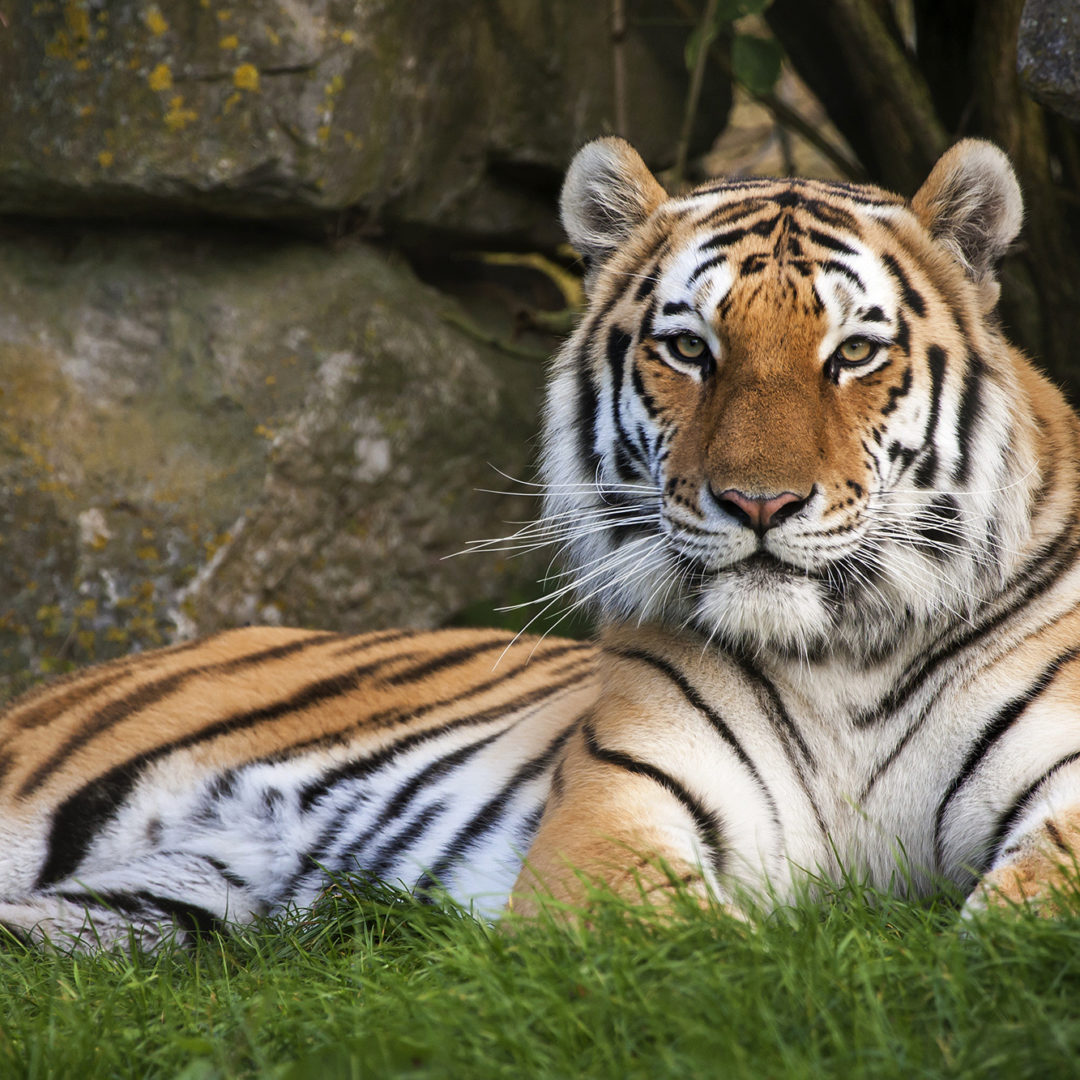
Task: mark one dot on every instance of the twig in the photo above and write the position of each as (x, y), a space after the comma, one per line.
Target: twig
(697, 77)
(618, 51)
(786, 115)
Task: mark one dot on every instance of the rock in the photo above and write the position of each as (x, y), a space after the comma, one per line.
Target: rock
(1048, 54)
(459, 119)
(199, 431)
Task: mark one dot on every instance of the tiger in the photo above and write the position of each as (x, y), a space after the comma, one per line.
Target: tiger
(827, 519)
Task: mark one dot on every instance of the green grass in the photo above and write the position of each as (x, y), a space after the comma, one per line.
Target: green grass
(378, 985)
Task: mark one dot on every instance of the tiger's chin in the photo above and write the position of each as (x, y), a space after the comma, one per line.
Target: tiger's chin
(762, 605)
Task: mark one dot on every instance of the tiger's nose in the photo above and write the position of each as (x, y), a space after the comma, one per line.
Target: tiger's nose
(761, 513)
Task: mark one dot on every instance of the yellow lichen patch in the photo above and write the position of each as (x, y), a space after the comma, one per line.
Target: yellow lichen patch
(85, 610)
(178, 118)
(224, 15)
(60, 47)
(323, 133)
(160, 78)
(86, 111)
(347, 37)
(147, 552)
(229, 43)
(105, 159)
(82, 64)
(155, 22)
(231, 101)
(273, 36)
(271, 380)
(246, 77)
(78, 22)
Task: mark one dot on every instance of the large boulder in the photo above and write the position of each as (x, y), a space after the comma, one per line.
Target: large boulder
(198, 431)
(455, 115)
(1048, 54)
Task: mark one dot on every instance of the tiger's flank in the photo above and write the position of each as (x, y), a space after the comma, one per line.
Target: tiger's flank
(828, 517)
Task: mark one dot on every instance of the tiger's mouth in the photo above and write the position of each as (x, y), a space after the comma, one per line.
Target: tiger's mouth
(760, 566)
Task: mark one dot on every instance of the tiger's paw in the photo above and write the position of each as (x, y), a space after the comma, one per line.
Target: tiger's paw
(1039, 871)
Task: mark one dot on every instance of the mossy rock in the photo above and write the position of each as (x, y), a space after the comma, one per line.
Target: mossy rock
(457, 116)
(200, 430)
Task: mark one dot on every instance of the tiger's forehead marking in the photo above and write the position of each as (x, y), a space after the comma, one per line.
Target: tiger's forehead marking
(800, 229)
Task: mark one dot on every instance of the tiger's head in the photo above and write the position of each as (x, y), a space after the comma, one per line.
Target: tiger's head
(788, 417)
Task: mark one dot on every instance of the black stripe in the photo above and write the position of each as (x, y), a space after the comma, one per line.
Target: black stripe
(440, 662)
(150, 693)
(836, 267)
(902, 340)
(702, 268)
(319, 852)
(938, 532)
(675, 307)
(707, 823)
(229, 876)
(717, 722)
(194, 920)
(587, 414)
(926, 472)
(618, 345)
(912, 298)
(724, 239)
(1057, 839)
(647, 400)
(833, 244)
(753, 264)
(1020, 804)
(492, 812)
(898, 392)
(968, 415)
(143, 906)
(991, 733)
(788, 731)
(384, 858)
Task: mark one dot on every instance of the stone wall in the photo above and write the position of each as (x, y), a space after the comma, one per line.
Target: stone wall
(225, 395)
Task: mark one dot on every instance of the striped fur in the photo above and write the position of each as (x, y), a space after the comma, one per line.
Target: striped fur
(830, 519)
(223, 779)
(883, 678)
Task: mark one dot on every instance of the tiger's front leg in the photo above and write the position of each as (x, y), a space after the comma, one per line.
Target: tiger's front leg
(653, 796)
(616, 821)
(1039, 865)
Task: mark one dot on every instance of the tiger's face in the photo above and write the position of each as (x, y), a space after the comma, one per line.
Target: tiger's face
(784, 416)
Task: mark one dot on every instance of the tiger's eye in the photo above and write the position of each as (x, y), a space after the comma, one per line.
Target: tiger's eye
(690, 346)
(856, 350)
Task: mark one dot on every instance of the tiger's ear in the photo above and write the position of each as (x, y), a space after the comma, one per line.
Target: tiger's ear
(608, 192)
(971, 203)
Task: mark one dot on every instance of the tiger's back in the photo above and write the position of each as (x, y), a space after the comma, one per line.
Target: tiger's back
(224, 778)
